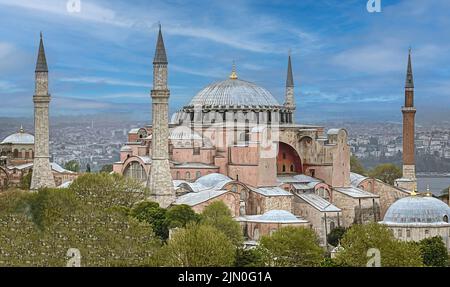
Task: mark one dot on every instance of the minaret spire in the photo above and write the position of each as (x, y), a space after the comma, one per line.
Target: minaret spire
(160, 53)
(287, 115)
(41, 64)
(289, 78)
(409, 73)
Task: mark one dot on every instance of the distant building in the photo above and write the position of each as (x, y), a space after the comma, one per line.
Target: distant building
(16, 161)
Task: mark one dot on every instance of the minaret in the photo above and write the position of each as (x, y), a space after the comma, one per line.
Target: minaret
(160, 179)
(408, 181)
(42, 173)
(289, 94)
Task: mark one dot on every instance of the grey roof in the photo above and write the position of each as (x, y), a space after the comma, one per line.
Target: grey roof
(234, 93)
(290, 78)
(19, 138)
(126, 148)
(278, 216)
(417, 210)
(55, 167)
(355, 192)
(409, 73)
(194, 165)
(184, 133)
(356, 179)
(271, 191)
(333, 131)
(212, 180)
(194, 198)
(305, 186)
(318, 202)
(160, 53)
(299, 178)
(41, 64)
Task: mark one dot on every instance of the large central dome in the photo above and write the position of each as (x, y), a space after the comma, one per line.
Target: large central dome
(234, 93)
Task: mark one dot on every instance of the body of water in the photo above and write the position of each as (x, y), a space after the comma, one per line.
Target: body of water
(437, 184)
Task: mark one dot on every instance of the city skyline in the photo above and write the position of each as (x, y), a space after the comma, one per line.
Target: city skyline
(346, 61)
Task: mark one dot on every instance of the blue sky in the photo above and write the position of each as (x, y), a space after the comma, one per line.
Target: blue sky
(348, 64)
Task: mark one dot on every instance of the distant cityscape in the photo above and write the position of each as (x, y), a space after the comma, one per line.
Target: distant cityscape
(96, 141)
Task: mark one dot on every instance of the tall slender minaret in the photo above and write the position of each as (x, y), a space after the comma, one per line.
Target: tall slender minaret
(408, 181)
(289, 94)
(42, 173)
(160, 179)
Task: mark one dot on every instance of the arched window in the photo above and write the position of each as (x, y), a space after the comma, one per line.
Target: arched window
(332, 225)
(284, 168)
(178, 175)
(188, 175)
(135, 170)
(16, 153)
(198, 174)
(292, 168)
(445, 218)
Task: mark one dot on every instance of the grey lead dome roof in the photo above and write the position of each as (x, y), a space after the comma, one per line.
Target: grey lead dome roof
(19, 138)
(234, 92)
(417, 210)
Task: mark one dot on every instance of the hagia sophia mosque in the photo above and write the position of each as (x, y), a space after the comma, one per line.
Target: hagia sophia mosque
(235, 142)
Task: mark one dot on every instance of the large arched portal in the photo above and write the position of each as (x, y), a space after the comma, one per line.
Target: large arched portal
(288, 160)
(135, 170)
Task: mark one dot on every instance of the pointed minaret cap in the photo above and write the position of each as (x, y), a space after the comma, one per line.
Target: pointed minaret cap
(409, 73)
(290, 78)
(160, 53)
(41, 65)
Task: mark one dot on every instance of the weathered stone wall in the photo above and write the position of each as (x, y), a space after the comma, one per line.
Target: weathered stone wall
(356, 210)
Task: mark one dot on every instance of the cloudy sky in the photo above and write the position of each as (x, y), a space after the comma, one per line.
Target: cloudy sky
(348, 63)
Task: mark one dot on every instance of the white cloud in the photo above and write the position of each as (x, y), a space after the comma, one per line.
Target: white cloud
(104, 81)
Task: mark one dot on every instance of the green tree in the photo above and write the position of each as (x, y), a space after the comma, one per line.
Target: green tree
(252, 257)
(360, 238)
(387, 173)
(150, 212)
(37, 229)
(25, 182)
(72, 165)
(218, 215)
(292, 247)
(107, 168)
(197, 246)
(336, 235)
(434, 253)
(356, 166)
(107, 190)
(180, 216)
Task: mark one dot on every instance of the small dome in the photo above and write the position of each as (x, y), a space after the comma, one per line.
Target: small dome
(278, 215)
(234, 92)
(417, 209)
(126, 148)
(213, 180)
(19, 138)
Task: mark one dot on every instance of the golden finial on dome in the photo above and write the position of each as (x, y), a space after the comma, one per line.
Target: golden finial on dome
(21, 130)
(233, 75)
(414, 192)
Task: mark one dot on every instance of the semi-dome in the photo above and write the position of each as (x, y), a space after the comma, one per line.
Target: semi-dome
(417, 210)
(234, 93)
(19, 138)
